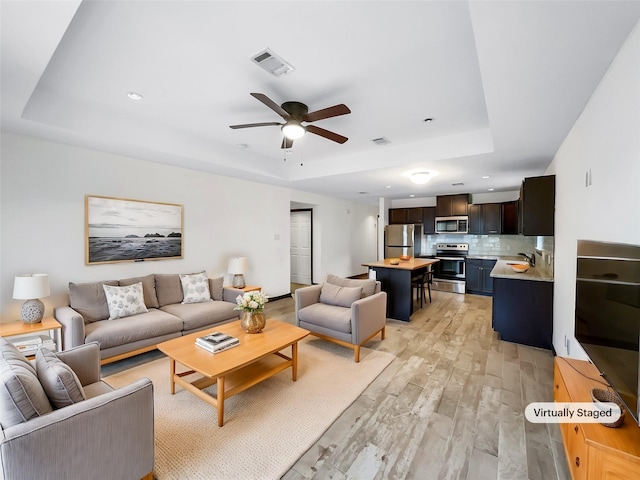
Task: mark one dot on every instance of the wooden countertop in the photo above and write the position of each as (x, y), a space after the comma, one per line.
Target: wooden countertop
(412, 264)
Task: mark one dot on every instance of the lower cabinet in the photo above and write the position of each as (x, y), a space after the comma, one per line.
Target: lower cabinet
(593, 451)
(522, 311)
(478, 276)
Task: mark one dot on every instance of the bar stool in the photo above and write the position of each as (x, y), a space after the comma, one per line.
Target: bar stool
(418, 281)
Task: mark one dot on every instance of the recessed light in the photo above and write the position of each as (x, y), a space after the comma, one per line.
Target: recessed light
(486, 176)
(363, 193)
(242, 145)
(387, 186)
(428, 120)
(412, 195)
(134, 95)
(491, 189)
(288, 152)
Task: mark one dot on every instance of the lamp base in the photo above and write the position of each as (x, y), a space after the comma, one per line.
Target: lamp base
(238, 281)
(32, 311)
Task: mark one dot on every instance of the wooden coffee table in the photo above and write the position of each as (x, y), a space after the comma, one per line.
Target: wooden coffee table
(258, 357)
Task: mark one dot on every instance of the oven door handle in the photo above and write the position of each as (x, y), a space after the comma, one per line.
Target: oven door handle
(450, 258)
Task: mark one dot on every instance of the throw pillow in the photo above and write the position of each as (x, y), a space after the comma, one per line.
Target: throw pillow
(340, 296)
(368, 286)
(125, 301)
(21, 394)
(59, 381)
(195, 288)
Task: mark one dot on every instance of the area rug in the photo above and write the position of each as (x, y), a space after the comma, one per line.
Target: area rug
(267, 427)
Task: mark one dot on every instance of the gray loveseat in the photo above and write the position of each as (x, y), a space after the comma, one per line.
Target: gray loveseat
(87, 318)
(60, 421)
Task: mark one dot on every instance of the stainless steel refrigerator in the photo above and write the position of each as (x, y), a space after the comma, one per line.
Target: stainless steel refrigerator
(402, 240)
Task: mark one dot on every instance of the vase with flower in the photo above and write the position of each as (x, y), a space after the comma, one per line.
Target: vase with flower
(252, 306)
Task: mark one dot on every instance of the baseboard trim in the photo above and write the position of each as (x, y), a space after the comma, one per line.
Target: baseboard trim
(280, 297)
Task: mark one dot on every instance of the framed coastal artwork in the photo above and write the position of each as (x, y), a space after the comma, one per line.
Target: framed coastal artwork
(125, 230)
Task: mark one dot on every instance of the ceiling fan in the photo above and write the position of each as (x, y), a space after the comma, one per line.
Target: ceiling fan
(294, 113)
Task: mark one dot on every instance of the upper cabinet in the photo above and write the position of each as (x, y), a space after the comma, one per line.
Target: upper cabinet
(510, 218)
(452, 205)
(429, 220)
(485, 218)
(537, 206)
(424, 216)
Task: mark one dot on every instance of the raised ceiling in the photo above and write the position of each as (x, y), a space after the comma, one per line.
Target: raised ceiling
(503, 82)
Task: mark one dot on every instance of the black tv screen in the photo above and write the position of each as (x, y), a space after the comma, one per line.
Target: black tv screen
(607, 320)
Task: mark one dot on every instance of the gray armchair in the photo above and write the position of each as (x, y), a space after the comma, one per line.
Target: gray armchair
(109, 434)
(344, 311)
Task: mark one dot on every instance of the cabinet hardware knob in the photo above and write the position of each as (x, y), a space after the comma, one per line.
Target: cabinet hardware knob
(577, 461)
(575, 428)
(557, 387)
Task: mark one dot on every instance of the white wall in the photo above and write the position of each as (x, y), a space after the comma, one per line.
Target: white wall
(43, 185)
(344, 234)
(606, 140)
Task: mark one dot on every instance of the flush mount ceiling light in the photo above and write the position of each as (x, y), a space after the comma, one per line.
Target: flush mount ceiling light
(420, 178)
(293, 130)
(134, 95)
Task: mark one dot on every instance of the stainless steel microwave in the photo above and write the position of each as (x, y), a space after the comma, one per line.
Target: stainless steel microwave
(452, 224)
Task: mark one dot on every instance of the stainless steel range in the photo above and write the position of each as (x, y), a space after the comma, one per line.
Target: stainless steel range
(449, 272)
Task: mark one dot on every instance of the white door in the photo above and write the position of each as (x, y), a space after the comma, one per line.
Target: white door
(301, 247)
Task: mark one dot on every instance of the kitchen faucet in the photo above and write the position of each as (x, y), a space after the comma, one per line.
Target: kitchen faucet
(530, 259)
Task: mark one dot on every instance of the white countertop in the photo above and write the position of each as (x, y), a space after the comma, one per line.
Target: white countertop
(503, 270)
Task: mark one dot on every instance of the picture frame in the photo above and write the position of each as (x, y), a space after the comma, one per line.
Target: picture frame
(128, 230)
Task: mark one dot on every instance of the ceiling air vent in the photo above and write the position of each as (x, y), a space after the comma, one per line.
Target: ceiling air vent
(381, 141)
(457, 184)
(271, 62)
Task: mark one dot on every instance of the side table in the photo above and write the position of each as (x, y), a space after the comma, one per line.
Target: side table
(251, 288)
(11, 329)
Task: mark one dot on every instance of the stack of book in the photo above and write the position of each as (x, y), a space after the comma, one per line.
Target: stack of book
(217, 342)
(29, 345)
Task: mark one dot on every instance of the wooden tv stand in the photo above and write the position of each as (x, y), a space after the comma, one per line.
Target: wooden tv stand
(593, 450)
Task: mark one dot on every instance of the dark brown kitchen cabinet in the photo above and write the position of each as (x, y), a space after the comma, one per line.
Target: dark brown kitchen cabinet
(510, 218)
(537, 206)
(429, 220)
(414, 215)
(485, 219)
(397, 216)
(452, 205)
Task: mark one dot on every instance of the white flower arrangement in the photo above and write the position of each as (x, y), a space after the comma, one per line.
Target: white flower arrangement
(251, 302)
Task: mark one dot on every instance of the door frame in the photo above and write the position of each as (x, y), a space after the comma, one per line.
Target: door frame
(310, 210)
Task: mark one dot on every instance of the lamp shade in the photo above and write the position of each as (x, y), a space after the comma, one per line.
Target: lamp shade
(31, 286)
(293, 130)
(238, 265)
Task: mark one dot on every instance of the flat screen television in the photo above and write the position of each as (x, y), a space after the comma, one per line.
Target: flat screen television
(607, 319)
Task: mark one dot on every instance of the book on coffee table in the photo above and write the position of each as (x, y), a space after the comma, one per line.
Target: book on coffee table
(217, 342)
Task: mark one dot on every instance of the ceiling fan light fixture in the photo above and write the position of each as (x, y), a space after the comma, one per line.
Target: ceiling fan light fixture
(293, 130)
(420, 178)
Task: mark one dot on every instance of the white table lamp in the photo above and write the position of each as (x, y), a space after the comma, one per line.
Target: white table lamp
(31, 287)
(237, 267)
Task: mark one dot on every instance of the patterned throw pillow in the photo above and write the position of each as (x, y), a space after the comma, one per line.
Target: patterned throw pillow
(125, 301)
(195, 288)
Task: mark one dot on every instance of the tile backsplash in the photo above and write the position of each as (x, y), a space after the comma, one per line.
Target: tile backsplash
(497, 245)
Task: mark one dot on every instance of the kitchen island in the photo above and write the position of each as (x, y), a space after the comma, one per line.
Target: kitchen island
(396, 281)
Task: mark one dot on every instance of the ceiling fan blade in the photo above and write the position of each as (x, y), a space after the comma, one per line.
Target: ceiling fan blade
(329, 112)
(271, 104)
(286, 142)
(326, 134)
(249, 125)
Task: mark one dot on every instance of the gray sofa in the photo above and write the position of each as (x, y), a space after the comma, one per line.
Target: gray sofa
(60, 421)
(86, 319)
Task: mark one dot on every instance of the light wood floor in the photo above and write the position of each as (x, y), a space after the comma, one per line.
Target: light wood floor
(450, 406)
